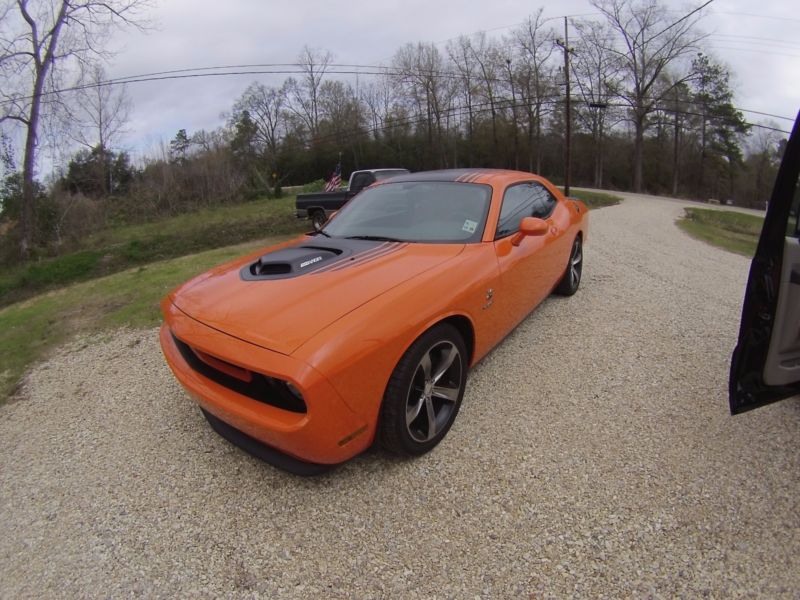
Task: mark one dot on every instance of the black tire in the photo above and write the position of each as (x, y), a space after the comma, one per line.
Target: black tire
(413, 387)
(572, 277)
(318, 219)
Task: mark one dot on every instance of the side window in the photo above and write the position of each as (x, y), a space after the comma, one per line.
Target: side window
(520, 201)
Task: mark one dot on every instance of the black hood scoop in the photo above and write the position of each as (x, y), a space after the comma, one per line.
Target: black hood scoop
(292, 262)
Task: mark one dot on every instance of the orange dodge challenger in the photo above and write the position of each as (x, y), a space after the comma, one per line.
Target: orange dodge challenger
(306, 352)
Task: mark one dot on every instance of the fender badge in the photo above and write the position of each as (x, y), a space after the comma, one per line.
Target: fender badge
(489, 298)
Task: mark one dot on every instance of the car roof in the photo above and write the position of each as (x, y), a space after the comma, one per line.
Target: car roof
(468, 176)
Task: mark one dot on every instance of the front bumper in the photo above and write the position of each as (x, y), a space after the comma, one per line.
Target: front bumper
(328, 432)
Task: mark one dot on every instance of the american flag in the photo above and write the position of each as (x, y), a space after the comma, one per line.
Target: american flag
(335, 179)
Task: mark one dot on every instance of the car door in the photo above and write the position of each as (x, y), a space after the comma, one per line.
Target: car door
(525, 269)
(766, 362)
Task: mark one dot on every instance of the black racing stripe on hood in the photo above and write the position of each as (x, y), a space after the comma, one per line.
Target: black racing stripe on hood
(356, 257)
(394, 247)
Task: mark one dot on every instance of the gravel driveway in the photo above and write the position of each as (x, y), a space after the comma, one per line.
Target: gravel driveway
(594, 456)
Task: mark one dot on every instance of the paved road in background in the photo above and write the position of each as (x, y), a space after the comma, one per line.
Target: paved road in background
(678, 201)
(594, 456)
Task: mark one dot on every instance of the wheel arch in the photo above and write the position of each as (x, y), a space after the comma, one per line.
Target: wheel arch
(465, 328)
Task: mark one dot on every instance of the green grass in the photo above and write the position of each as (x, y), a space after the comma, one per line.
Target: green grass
(117, 249)
(595, 199)
(734, 231)
(29, 329)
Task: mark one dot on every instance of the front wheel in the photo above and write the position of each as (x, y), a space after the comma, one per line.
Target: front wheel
(572, 277)
(424, 392)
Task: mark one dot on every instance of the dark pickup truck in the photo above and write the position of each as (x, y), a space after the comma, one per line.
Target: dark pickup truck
(320, 205)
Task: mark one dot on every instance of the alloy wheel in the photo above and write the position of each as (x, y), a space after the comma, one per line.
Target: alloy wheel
(576, 263)
(434, 391)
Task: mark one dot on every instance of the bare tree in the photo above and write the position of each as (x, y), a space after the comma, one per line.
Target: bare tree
(38, 40)
(597, 75)
(513, 84)
(341, 112)
(764, 154)
(421, 75)
(676, 103)
(101, 111)
(378, 96)
(99, 115)
(536, 82)
(461, 55)
(489, 58)
(265, 106)
(649, 40)
(304, 94)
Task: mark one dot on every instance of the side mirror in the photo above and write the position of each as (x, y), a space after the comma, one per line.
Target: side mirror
(530, 226)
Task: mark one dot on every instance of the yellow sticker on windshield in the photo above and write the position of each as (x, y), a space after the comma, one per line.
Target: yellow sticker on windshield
(470, 226)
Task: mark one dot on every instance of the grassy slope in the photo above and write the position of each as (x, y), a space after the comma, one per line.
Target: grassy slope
(29, 329)
(734, 231)
(121, 248)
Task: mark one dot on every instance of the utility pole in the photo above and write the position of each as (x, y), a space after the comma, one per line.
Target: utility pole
(567, 109)
(513, 113)
(675, 147)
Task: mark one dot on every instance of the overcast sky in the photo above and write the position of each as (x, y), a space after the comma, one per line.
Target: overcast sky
(758, 40)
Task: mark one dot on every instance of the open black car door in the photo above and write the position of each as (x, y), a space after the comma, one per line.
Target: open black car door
(766, 362)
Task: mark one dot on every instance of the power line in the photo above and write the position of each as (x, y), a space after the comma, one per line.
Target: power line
(250, 69)
(756, 51)
(180, 74)
(757, 16)
(683, 18)
(747, 39)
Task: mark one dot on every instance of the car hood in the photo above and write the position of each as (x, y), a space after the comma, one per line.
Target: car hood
(279, 298)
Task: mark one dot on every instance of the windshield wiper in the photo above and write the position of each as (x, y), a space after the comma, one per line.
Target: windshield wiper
(320, 232)
(373, 238)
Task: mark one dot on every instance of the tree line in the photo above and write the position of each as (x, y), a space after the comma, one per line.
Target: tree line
(651, 111)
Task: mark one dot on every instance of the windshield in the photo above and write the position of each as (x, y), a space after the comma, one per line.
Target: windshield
(416, 211)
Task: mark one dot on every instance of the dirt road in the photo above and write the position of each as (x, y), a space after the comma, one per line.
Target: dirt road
(594, 455)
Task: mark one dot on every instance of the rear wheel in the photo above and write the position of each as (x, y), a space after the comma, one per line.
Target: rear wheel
(318, 219)
(424, 392)
(572, 278)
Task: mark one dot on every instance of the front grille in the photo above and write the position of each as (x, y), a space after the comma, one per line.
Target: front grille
(247, 383)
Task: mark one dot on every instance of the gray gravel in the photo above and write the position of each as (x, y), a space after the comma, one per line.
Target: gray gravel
(594, 456)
